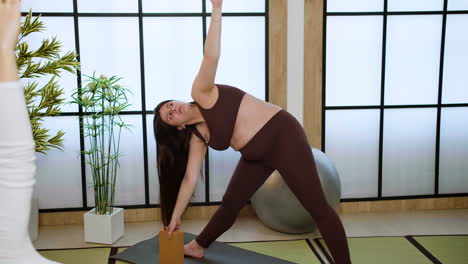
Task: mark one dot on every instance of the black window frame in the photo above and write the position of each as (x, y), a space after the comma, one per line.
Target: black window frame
(382, 107)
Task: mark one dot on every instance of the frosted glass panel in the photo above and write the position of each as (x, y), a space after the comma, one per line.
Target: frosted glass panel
(412, 59)
(415, 5)
(222, 166)
(110, 46)
(108, 6)
(152, 169)
(455, 89)
(130, 183)
(240, 6)
(47, 5)
(63, 29)
(170, 6)
(353, 71)
(409, 151)
(59, 173)
(352, 143)
(354, 6)
(457, 5)
(199, 195)
(453, 170)
(242, 62)
(171, 65)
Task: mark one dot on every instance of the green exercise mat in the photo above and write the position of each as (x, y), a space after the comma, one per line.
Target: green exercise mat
(290, 251)
(297, 251)
(147, 252)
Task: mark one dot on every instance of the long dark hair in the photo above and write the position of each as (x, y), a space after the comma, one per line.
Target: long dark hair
(172, 149)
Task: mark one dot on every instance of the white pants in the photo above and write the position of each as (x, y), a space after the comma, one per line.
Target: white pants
(17, 169)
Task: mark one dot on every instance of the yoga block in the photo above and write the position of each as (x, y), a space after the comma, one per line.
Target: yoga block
(171, 251)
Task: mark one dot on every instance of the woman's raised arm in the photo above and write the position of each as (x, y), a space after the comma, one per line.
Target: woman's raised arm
(204, 81)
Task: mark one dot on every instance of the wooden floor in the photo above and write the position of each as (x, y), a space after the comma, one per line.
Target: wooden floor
(427, 222)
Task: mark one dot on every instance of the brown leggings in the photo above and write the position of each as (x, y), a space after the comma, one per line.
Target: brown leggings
(282, 145)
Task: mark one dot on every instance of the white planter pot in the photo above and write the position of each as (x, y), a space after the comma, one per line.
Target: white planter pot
(104, 229)
(34, 219)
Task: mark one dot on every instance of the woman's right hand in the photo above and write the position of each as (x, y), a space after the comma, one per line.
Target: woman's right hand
(174, 225)
(9, 23)
(216, 3)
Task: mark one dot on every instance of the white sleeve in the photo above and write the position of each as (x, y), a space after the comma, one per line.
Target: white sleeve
(17, 146)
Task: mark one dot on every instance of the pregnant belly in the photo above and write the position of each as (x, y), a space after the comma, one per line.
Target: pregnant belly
(252, 116)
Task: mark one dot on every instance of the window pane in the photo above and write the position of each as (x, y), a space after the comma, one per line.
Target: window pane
(412, 59)
(415, 5)
(353, 71)
(130, 181)
(457, 5)
(354, 6)
(242, 62)
(152, 169)
(453, 177)
(47, 5)
(59, 173)
(173, 53)
(170, 6)
(251, 6)
(63, 29)
(199, 195)
(409, 151)
(352, 143)
(108, 6)
(455, 61)
(222, 166)
(110, 46)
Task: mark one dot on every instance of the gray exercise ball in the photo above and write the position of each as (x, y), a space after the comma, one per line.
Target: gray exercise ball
(278, 208)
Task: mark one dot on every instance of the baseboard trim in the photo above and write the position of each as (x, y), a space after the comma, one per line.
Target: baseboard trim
(206, 212)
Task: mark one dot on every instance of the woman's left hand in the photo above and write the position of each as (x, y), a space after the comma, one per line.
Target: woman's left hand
(174, 225)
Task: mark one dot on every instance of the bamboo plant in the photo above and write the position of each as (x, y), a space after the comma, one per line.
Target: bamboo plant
(45, 63)
(102, 100)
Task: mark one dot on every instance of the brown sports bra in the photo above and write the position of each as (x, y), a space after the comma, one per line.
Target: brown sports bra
(221, 118)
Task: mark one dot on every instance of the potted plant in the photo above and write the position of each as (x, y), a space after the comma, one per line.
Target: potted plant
(43, 63)
(102, 100)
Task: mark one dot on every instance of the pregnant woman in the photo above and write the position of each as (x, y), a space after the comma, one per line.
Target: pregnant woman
(268, 138)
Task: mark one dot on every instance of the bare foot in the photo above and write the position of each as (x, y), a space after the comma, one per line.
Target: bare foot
(194, 250)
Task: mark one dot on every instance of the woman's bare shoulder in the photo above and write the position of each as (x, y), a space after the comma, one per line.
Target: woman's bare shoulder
(206, 100)
(204, 131)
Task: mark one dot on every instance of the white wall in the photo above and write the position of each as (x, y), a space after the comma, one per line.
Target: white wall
(295, 77)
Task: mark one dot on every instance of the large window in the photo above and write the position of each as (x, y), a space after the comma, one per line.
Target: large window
(157, 47)
(396, 97)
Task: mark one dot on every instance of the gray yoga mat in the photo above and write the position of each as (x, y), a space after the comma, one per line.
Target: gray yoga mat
(147, 252)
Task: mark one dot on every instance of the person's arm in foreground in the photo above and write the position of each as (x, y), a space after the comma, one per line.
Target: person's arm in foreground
(16, 141)
(9, 28)
(17, 150)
